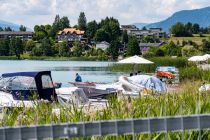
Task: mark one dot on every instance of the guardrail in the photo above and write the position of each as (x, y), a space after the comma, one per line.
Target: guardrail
(107, 128)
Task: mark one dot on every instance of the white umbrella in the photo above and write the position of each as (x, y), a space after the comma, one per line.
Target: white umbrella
(135, 60)
(197, 58)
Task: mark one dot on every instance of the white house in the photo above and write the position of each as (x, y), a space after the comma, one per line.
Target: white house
(102, 45)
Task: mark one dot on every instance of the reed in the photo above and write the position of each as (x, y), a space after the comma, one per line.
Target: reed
(186, 102)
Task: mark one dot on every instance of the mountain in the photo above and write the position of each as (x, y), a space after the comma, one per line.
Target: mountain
(200, 16)
(13, 26)
(140, 25)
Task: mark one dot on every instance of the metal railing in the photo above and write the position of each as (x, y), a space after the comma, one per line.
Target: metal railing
(108, 128)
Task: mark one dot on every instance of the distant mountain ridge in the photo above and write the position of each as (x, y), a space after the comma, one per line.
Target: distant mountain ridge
(13, 26)
(200, 16)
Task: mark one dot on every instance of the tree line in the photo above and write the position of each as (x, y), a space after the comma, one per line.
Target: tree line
(188, 29)
(44, 41)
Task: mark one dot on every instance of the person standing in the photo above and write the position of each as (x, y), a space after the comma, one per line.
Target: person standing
(78, 78)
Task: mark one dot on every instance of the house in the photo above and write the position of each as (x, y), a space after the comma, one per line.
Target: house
(133, 30)
(71, 35)
(144, 47)
(102, 45)
(16, 34)
(156, 32)
(128, 28)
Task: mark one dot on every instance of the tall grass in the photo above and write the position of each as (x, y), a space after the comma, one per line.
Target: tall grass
(186, 102)
(158, 61)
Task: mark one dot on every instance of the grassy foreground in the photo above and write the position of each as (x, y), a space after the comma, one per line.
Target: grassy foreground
(186, 102)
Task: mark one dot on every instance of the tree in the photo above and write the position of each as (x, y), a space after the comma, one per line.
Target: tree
(46, 47)
(196, 28)
(179, 30)
(112, 27)
(64, 23)
(77, 49)
(82, 21)
(37, 51)
(189, 50)
(113, 49)
(206, 46)
(125, 37)
(102, 35)
(4, 47)
(1, 29)
(64, 49)
(22, 28)
(7, 29)
(91, 29)
(16, 47)
(133, 46)
(150, 39)
(30, 44)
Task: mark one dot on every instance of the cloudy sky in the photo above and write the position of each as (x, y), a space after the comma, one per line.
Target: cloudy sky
(32, 12)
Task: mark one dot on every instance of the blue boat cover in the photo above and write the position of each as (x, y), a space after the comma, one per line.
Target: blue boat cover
(28, 74)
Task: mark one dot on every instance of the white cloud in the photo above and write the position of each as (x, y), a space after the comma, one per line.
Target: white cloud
(31, 12)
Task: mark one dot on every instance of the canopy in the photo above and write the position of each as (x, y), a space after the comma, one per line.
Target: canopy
(28, 74)
(135, 60)
(197, 58)
(149, 82)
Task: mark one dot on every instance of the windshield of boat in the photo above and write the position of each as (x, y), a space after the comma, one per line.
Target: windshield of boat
(18, 83)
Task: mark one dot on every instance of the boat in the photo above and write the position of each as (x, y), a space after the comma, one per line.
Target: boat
(23, 88)
(95, 91)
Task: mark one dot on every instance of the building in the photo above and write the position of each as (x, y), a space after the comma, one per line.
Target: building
(14, 34)
(133, 30)
(102, 45)
(128, 28)
(71, 35)
(144, 47)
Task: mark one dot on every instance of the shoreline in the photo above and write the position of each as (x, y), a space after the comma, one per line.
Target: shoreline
(47, 58)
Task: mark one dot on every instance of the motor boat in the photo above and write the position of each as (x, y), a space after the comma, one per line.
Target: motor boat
(23, 88)
(95, 91)
(75, 97)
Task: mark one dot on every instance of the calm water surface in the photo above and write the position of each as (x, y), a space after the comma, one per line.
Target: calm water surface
(63, 71)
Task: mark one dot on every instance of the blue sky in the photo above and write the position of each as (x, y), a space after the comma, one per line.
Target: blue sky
(32, 12)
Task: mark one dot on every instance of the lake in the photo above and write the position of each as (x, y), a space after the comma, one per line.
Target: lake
(64, 71)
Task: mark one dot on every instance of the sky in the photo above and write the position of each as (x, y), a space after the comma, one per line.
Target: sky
(36, 12)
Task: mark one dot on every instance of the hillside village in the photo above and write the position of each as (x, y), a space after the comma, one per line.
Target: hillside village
(104, 40)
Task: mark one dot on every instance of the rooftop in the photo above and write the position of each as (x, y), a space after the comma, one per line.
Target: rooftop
(72, 30)
(15, 33)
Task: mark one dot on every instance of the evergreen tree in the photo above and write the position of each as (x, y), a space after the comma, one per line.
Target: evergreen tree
(133, 46)
(91, 29)
(102, 35)
(7, 29)
(113, 49)
(82, 21)
(64, 23)
(125, 37)
(46, 47)
(22, 28)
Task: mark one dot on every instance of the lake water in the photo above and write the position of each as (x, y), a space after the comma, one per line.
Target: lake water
(63, 71)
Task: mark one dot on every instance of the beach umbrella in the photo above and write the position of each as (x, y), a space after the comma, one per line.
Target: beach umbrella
(135, 60)
(197, 59)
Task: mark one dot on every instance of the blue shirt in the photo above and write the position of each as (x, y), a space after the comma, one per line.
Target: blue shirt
(78, 78)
